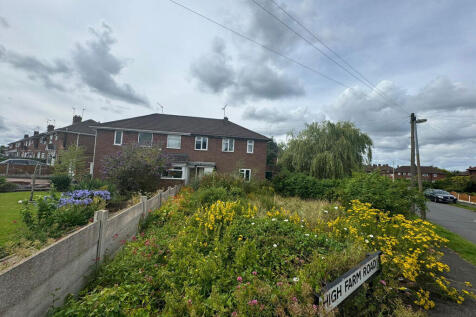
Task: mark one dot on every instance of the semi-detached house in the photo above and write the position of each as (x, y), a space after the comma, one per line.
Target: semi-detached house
(196, 146)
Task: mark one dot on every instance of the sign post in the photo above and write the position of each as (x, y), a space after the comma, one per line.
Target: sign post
(348, 283)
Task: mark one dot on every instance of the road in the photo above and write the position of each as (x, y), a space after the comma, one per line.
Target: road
(458, 220)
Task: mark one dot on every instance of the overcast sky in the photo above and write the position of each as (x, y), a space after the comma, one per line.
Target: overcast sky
(119, 59)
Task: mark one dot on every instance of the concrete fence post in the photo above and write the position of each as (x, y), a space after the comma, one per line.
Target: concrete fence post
(160, 198)
(101, 217)
(143, 200)
(7, 168)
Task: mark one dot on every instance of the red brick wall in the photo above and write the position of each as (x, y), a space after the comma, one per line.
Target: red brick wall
(226, 162)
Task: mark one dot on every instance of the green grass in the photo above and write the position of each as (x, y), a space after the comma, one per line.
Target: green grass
(472, 208)
(10, 219)
(465, 248)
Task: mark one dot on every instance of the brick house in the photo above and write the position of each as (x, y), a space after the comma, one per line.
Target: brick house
(428, 173)
(383, 169)
(46, 146)
(197, 145)
(471, 171)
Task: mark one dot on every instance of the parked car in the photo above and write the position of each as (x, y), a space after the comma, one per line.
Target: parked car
(439, 195)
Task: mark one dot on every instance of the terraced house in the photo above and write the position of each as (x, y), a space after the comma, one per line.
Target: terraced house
(196, 146)
(46, 146)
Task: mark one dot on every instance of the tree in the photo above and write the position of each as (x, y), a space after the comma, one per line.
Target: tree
(327, 150)
(72, 162)
(272, 152)
(136, 169)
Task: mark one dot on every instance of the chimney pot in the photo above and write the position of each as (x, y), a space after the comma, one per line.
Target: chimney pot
(225, 118)
(76, 119)
(36, 132)
(25, 136)
(50, 128)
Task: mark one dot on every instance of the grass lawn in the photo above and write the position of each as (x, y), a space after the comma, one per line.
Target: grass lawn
(463, 247)
(472, 208)
(10, 218)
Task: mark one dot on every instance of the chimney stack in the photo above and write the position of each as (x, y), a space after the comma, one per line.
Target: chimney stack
(25, 136)
(225, 118)
(50, 128)
(76, 119)
(36, 132)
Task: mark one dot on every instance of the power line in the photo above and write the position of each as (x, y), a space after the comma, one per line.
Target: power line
(260, 44)
(366, 82)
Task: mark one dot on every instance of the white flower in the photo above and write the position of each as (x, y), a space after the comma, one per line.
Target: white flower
(335, 207)
(295, 279)
(302, 226)
(275, 245)
(325, 211)
(371, 235)
(345, 229)
(252, 223)
(286, 220)
(315, 236)
(322, 257)
(366, 241)
(20, 202)
(274, 219)
(307, 234)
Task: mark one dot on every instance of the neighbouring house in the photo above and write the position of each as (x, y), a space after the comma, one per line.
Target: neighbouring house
(196, 146)
(46, 146)
(471, 171)
(428, 173)
(383, 169)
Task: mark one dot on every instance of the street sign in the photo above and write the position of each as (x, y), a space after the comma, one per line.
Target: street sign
(348, 283)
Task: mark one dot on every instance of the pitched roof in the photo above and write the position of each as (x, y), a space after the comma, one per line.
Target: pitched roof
(81, 127)
(424, 169)
(184, 124)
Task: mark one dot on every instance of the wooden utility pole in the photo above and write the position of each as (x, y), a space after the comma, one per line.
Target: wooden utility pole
(412, 152)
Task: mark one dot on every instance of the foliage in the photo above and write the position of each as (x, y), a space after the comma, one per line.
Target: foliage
(58, 214)
(72, 162)
(461, 184)
(135, 169)
(90, 183)
(61, 182)
(272, 152)
(382, 193)
(6, 186)
(233, 258)
(301, 185)
(410, 251)
(327, 150)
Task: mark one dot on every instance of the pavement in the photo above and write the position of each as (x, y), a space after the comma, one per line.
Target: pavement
(463, 222)
(458, 220)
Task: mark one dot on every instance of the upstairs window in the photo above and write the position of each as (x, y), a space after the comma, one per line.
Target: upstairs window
(250, 146)
(228, 145)
(174, 141)
(118, 137)
(246, 174)
(201, 143)
(145, 139)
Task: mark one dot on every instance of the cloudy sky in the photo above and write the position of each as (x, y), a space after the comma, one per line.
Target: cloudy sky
(121, 59)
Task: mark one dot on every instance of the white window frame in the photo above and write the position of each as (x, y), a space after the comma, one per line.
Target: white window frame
(115, 136)
(201, 143)
(179, 141)
(435, 175)
(252, 143)
(227, 142)
(151, 139)
(243, 172)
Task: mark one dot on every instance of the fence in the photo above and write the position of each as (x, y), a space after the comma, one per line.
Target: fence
(16, 170)
(43, 280)
(464, 197)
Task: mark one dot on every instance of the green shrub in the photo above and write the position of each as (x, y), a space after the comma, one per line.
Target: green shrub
(303, 186)
(61, 182)
(382, 193)
(6, 186)
(209, 195)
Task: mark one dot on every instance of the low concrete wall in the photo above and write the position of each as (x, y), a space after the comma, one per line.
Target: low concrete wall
(43, 280)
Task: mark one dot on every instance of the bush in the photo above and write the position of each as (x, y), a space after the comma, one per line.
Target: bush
(6, 186)
(382, 193)
(61, 182)
(303, 186)
(209, 195)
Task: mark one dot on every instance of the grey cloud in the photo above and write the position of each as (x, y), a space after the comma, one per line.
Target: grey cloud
(36, 69)
(257, 79)
(4, 23)
(214, 71)
(3, 125)
(276, 122)
(97, 67)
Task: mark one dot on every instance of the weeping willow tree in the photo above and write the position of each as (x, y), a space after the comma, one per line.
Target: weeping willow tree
(327, 150)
